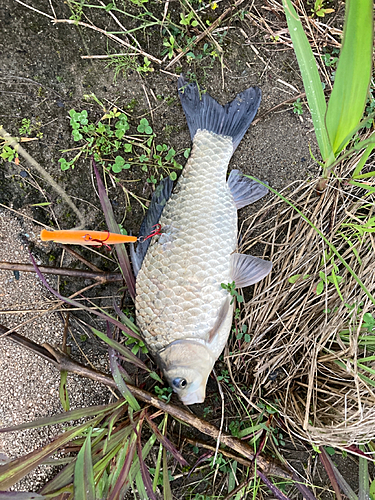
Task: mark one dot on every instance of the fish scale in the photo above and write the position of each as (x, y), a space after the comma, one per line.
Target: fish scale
(179, 289)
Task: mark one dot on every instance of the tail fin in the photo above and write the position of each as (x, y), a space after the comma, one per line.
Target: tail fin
(203, 112)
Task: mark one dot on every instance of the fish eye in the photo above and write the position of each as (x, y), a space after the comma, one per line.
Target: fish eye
(179, 383)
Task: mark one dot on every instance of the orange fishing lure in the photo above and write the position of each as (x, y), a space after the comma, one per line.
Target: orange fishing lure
(86, 237)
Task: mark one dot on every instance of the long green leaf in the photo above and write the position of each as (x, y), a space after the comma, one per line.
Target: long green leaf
(349, 93)
(120, 382)
(65, 476)
(63, 390)
(84, 486)
(363, 476)
(66, 417)
(19, 495)
(310, 77)
(132, 358)
(167, 493)
(15, 470)
(372, 490)
(114, 228)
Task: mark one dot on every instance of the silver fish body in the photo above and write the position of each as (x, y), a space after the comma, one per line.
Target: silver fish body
(183, 312)
(179, 293)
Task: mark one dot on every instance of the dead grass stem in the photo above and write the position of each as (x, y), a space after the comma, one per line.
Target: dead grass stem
(309, 347)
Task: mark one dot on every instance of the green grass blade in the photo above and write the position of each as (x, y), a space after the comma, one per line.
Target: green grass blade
(15, 470)
(20, 495)
(140, 485)
(63, 390)
(310, 77)
(364, 480)
(84, 486)
(167, 492)
(336, 283)
(132, 358)
(352, 132)
(372, 490)
(123, 475)
(65, 417)
(349, 93)
(360, 375)
(120, 382)
(65, 476)
(112, 225)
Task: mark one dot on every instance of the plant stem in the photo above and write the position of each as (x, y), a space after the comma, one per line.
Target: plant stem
(63, 271)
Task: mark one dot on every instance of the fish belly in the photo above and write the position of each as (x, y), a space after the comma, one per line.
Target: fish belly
(178, 288)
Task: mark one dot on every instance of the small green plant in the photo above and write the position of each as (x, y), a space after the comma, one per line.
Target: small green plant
(188, 20)
(231, 288)
(368, 322)
(7, 153)
(125, 63)
(370, 109)
(170, 44)
(144, 127)
(136, 345)
(25, 128)
(225, 378)
(333, 277)
(220, 462)
(76, 9)
(243, 334)
(331, 59)
(160, 480)
(366, 339)
(120, 165)
(163, 393)
(108, 142)
(296, 277)
(297, 107)
(320, 10)
(146, 68)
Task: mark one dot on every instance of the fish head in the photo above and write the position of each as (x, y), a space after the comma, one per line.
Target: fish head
(186, 365)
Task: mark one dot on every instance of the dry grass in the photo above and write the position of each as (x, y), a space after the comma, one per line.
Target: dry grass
(305, 348)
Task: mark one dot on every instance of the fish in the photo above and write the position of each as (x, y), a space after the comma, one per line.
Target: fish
(183, 313)
(85, 237)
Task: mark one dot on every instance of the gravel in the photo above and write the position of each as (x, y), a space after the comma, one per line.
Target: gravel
(29, 384)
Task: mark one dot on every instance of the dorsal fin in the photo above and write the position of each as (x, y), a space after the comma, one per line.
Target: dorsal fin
(159, 199)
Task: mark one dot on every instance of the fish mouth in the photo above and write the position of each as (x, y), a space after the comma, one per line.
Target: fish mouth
(195, 397)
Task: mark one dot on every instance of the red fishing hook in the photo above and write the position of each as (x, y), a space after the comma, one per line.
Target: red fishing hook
(102, 243)
(155, 232)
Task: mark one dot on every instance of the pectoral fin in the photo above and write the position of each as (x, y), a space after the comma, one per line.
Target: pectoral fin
(219, 321)
(247, 270)
(244, 190)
